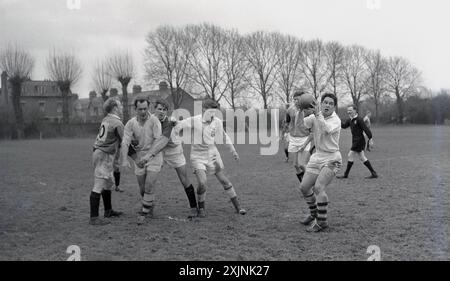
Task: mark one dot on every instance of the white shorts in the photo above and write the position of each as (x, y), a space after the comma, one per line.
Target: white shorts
(154, 165)
(103, 170)
(295, 143)
(175, 160)
(319, 160)
(211, 164)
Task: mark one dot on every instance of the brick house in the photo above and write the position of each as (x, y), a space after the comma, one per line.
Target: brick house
(41, 99)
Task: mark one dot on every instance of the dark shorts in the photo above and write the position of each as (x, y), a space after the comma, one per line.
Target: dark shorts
(358, 145)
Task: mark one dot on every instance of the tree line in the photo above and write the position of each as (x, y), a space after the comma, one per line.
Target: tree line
(232, 68)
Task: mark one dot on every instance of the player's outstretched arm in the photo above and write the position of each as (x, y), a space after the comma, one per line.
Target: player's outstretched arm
(158, 145)
(366, 129)
(127, 136)
(345, 124)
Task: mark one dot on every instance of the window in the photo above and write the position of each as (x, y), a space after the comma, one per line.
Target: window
(59, 107)
(42, 107)
(23, 104)
(36, 89)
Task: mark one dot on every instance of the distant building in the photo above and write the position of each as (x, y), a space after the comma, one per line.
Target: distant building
(163, 92)
(38, 99)
(89, 110)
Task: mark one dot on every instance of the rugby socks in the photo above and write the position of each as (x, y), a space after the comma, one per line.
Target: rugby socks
(311, 201)
(233, 197)
(94, 203)
(147, 203)
(322, 213)
(201, 200)
(236, 204)
(117, 178)
(190, 192)
(369, 166)
(106, 195)
(349, 166)
(300, 176)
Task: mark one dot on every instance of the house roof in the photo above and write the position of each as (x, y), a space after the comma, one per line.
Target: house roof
(85, 103)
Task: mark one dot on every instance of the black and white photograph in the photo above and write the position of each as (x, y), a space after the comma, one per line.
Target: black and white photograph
(227, 131)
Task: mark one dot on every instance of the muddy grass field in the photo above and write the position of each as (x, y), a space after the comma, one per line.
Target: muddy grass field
(44, 206)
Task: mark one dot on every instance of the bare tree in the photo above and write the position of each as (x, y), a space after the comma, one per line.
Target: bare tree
(288, 59)
(65, 69)
(355, 73)
(18, 65)
(236, 66)
(261, 54)
(334, 52)
(207, 59)
(121, 68)
(101, 79)
(166, 58)
(376, 67)
(402, 79)
(313, 66)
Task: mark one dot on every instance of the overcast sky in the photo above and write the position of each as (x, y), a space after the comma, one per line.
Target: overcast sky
(417, 30)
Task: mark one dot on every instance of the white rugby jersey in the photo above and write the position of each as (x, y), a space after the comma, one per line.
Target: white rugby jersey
(203, 135)
(145, 133)
(326, 131)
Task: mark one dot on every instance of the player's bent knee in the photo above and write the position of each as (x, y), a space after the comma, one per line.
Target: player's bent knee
(318, 188)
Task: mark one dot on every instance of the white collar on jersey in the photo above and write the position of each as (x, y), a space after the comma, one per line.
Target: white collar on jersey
(114, 116)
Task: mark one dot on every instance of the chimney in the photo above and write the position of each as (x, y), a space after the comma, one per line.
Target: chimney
(163, 86)
(137, 89)
(92, 95)
(113, 92)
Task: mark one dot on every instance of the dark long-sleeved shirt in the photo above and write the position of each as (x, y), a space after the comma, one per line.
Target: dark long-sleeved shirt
(357, 127)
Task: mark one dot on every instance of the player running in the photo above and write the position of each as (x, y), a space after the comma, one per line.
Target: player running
(357, 127)
(143, 130)
(104, 152)
(299, 135)
(324, 163)
(205, 157)
(172, 153)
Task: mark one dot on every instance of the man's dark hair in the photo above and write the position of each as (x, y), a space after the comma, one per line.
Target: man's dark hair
(141, 100)
(162, 102)
(210, 103)
(329, 95)
(298, 93)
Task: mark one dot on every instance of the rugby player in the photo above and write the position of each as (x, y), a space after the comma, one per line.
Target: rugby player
(143, 130)
(357, 127)
(205, 158)
(324, 163)
(299, 135)
(104, 152)
(172, 152)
